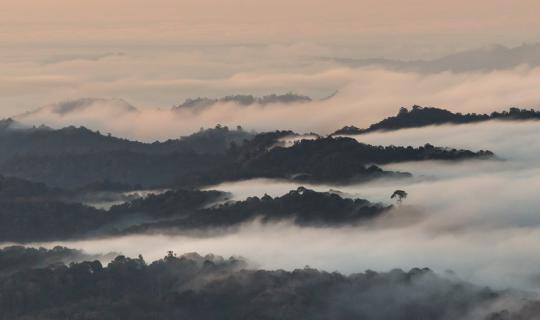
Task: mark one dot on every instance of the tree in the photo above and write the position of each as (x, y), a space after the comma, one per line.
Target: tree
(399, 195)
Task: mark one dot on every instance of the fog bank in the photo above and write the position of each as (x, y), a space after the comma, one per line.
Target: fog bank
(364, 96)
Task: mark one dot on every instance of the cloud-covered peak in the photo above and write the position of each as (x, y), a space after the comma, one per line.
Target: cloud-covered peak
(85, 104)
(199, 104)
(489, 58)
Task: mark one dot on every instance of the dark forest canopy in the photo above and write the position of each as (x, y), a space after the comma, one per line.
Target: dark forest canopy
(425, 116)
(338, 158)
(14, 188)
(174, 203)
(34, 219)
(28, 217)
(210, 287)
(328, 160)
(302, 207)
(18, 258)
(77, 157)
(80, 140)
(25, 220)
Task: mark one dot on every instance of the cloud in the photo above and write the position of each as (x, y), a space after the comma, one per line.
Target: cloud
(365, 95)
(81, 107)
(486, 59)
(476, 218)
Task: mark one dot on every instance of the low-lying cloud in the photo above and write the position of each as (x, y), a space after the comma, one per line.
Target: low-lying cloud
(477, 218)
(365, 95)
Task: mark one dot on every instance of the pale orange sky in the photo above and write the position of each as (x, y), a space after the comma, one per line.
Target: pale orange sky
(213, 21)
(156, 53)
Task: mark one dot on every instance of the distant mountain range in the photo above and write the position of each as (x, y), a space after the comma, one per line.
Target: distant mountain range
(43, 171)
(75, 157)
(419, 116)
(199, 104)
(80, 105)
(491, 58)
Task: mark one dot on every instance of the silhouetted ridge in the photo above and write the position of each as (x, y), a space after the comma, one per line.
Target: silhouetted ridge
(77, 157)
(14, 188)
(490, 58)
(42, 219)
(6, 124)
(303, 207)
(426, 116)
(199, 104)
(18, 258)
(340, 160)
(33, 212)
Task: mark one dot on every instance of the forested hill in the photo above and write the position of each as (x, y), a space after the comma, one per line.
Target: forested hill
(73, 157)
(425, 116)
(77, 157)
(339, 160)
(192, 286)
(26, 219)
(15, 259)
(14, 188)
(16, 140)
(303, 207)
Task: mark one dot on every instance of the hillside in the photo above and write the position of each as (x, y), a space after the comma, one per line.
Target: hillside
(426, 116)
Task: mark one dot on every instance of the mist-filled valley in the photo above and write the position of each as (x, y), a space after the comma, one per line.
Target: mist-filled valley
(475, 217)
(265, 160)
(458, 199)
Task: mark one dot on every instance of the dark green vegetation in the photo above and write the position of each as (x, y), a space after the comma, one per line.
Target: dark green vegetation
(14, 188)
(30, 211)
(93, 166)
(420, 117)
(330, 160)
(31, 218)
(33, 212)
(196, 287)
(342, 160)
(18, 258)
(303, 207)
(77, 158)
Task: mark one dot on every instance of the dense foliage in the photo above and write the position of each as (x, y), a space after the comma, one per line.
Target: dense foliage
(303, 207)
(169, 204)
(342, 160)
(25, 219)
(32, 212)
(77, 157)
(18, 258)
(13, 188)
(210, 287)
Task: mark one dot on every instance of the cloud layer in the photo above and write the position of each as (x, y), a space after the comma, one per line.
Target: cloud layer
(365, 95)
(478, 219)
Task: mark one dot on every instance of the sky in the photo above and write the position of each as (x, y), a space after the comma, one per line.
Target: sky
(156, 54)
(261, 21)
